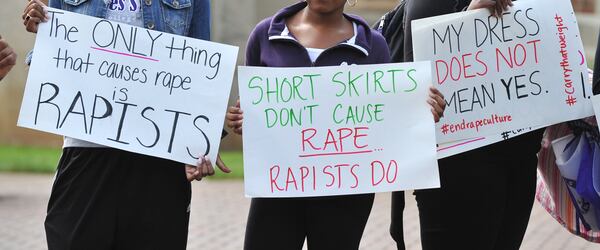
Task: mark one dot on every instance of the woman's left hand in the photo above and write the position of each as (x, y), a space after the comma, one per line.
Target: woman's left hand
(8, 58)
(204, 168)
(437, 103)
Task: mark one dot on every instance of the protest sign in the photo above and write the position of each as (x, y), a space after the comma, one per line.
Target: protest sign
(453, 148)
(127, 87)
(525, 69)
(349, 129)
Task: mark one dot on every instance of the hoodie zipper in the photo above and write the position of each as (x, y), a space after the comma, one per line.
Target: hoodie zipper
(313, 64)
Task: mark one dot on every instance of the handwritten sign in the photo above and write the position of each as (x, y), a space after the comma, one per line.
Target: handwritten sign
(337, 130)
(525, 69)
(127, 87)
(453, 148)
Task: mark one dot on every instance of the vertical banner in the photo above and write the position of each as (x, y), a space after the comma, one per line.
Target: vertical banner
(525, 69)
(350, 129)
(127, 87)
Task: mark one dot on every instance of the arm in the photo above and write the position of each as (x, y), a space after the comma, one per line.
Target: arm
(204, 168)
(35, 12)
(8, 58)
(235, 115)
(200, 29)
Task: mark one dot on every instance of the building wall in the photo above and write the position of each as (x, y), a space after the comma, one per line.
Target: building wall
(11, 88)
(588, 16)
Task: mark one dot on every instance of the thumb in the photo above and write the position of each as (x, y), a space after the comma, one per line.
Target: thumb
(222, 165)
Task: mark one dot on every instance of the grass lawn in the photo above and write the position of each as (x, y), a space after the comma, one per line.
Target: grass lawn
(44, 160)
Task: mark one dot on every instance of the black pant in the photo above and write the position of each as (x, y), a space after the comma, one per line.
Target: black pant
(485, 200)
(428, 215)
(106, 198)
(431, 219)
(327, 223)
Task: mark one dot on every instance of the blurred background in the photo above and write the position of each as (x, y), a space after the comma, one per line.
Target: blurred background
(218, 207)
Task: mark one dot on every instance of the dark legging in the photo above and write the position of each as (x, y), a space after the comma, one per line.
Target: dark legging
(105, 198)
(428, 209)
(327, 223)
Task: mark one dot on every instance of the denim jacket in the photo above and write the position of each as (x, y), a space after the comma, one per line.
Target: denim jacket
(189, 18)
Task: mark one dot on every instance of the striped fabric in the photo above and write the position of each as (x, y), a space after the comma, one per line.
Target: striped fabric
(552, 192)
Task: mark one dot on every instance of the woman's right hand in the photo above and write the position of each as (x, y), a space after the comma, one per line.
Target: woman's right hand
(204, 168)
(497, 7)
(35, 12)
(235, 118)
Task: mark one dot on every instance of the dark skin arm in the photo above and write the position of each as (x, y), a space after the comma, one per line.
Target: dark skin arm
(204, 168)
(8, 58)
(34, 14)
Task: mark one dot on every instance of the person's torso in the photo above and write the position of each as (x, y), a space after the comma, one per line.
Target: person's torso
(125, 11)
(277, 47)
(171, 16)
(285, 51)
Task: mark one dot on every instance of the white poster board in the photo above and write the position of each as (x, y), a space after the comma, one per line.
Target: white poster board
(127, 87)
(323, 131)
(526, 69)
(453, 148)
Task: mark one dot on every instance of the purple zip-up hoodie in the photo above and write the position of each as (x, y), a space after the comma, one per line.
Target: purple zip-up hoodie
(271, 45)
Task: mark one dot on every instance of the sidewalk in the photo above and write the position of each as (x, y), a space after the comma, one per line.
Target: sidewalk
(218, 218)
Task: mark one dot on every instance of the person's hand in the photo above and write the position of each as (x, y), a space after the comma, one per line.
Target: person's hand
(204, 168)
(437, 103)
(8, 58)
(235, 118)
(35, 12)
(497, 7)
